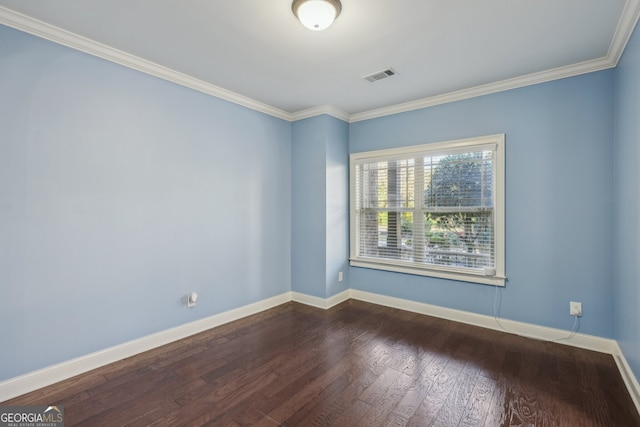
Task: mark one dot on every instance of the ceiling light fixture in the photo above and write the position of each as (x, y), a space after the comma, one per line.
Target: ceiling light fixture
(316, 15)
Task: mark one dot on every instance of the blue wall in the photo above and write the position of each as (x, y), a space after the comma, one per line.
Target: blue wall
(627, 203)
(559, 176)
(320, 197)
(309, 225)
(337, 206)
(119, 194)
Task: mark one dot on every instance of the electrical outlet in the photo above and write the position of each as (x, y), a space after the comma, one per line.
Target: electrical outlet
(340, 276)
(575, 308)
(192, 298)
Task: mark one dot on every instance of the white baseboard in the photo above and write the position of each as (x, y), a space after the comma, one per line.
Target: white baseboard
(34, 380)
(41, 378)
(321, 302)
(627, 376)
(589, 342)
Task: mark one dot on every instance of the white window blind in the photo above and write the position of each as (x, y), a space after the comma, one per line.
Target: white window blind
(435, 209)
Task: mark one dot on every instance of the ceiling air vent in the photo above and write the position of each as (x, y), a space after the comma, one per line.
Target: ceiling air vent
(380, 75)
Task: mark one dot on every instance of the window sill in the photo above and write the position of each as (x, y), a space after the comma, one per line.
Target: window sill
(399, 267)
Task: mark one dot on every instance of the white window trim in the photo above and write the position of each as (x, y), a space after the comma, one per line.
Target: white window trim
(499, 277)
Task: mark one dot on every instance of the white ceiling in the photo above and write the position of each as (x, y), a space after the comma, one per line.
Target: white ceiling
(257, 48)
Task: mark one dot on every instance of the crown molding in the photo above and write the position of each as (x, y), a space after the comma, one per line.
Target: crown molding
(318, 111)
(626, 25)
(488, 89)
(52, 33)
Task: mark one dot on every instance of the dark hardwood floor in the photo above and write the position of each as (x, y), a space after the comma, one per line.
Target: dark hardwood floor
(356, 364)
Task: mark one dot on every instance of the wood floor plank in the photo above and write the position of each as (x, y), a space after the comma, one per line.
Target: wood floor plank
(322, 377)
(476, 410)
(458, 399)
(410, 402)
(77, 413)
(356, 364)
(434, 400)
(355, 414)
(151, 406)
(67, 391)
(594, 399)
(319, 411)
(386, 397)
(394, 420)
(358, 377)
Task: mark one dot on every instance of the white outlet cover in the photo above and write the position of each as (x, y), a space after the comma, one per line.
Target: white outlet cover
(575, 308)
(192, 298)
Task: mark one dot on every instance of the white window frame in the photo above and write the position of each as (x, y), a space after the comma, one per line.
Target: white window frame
(487, 276)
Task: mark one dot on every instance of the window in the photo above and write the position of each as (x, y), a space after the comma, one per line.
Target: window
(434, 210)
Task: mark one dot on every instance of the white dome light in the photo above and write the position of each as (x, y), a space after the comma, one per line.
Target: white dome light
(316, 15)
